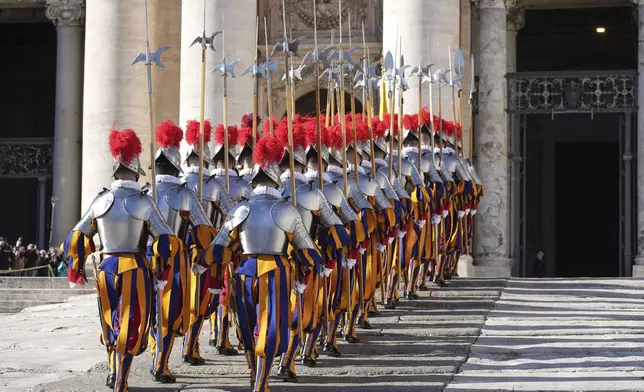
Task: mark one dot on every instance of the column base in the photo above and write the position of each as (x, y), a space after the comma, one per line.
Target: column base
(487, 267)
(465, 267)
(638, 271)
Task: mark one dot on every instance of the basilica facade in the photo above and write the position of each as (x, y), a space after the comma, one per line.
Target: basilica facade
(556, 140)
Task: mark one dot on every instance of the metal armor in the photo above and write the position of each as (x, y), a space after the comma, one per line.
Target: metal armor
(382, 178)
(262, 222)
(370, 187)
(240, 189)
(124, 218)
(408, 170)
(173, 200)
(335, 197)
(383, 167)
(354, 192)
(310, 199)
(213, 191)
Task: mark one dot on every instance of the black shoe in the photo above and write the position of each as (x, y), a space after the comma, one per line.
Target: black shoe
(110, 381)
(286, 375)
(412, 296)
(440, 282)
(373, 313)
(164, 378)
(331, 351)
(422, 288)
(194, 361)
(364, 324)
(229, 352)
(352, 340)
(397, 300)
(212, 343)
(448, 276)
(455, 275)
(389, 304)
(309, 362)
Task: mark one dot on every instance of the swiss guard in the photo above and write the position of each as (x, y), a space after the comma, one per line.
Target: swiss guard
(181, 209)
(272, 239)
(123, 217)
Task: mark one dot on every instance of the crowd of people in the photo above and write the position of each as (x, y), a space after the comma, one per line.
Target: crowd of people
(21, 260)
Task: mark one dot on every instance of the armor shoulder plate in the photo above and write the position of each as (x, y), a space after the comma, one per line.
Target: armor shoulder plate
(383, 181)
(368, 185)
(237, 215)
(102, 203)
(178, 198)
(139, 206)
(308, 197)
(285, 216)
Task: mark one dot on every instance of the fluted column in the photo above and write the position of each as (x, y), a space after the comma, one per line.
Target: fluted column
(427, 29)
(491, 241)
(114, 91)
(239, 25)
(68, 17)
(638, 268)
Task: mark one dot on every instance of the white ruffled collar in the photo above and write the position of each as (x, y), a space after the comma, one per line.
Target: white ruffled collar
(165, 178)
(222, 172)
(247, 172)
(409, 149)
(265, 190)
(313, 175)
(333, 169)
(446, 150)
(194, 170)
(426, 148)
(361, 169)
(381, 162)
(298, 176)
(126, 184)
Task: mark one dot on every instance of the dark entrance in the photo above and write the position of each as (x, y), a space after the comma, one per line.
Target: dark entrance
(587, 209)
(572, 105)
(305, 105)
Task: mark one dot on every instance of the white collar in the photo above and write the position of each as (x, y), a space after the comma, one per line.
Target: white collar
(313, 175)
(265, 190)
(446, 150)
(382, 162)
(222, 172)
(410, 149)
(333, 169)
(246, 172)
(165, 178)
(361, 169)
(426, 148)
(126, 184)
(194, 170)
(298, 176)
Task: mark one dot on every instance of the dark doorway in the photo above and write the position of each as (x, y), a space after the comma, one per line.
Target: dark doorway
(20, 209)
(305, 105)
(587, 209)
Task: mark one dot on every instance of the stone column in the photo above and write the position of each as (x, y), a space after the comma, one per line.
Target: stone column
(491, 241)
(515, 22)
(114, 91)
(638, 268)
(239, 26)
(427, 29)
(42, 211)
(68, 17)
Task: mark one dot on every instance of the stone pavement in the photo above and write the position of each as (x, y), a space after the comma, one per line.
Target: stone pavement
(478, 334)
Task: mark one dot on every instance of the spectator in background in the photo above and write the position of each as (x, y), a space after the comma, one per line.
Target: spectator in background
(18, 259)
(31, 260)
(6, 256)
(538, 268)
(43, 261)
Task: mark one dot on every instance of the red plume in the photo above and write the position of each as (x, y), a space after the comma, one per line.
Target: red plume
(386, 118)
(300, 138)
(448, 127)
(268, 151)
(379, 128)
(245, 135)
(437, 122)
(335, 136)
(192, 132)
(124, 145)
(233, 133)
(426, 117)
(362, 129)
(459, 131)
(410, 121)
(312, 135)
(267, 129)
(168, 134)
(247, 120)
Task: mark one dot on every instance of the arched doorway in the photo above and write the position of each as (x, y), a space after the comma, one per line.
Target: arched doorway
(305, 105)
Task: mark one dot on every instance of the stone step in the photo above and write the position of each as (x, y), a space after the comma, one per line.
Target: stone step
(9, 282)
(14, 306)
(42, 294)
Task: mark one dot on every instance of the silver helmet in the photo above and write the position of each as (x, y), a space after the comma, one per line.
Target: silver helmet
(125, 147)
(169, 135)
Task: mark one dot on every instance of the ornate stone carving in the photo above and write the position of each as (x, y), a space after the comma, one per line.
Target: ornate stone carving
(66, 12)
(607, 92)
(25, 157)
(515, 18)
(327, 12)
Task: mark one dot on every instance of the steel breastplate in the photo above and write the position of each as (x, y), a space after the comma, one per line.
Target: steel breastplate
(118, 230)
(258, 233)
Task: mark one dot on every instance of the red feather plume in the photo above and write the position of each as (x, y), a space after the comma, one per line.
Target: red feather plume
(335, 136)
(300, 137)
(168, 134)
(233, 133)
(247, 120)
(379, 128)
(245, 135)
(437, 122)
(410, 121)
(426, 117)
(268, 151)
(267, 125)
(124, 145)
(386, 118)
(362, 129)
(192, 132)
